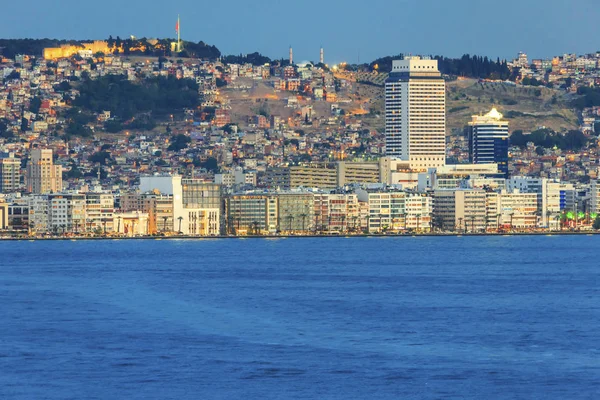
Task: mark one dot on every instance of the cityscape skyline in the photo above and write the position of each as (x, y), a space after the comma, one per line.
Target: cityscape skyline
(377, 34)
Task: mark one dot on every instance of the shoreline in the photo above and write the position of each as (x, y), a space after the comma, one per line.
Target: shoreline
(364, 235)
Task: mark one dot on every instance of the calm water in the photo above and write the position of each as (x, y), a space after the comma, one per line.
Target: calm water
(339, 318)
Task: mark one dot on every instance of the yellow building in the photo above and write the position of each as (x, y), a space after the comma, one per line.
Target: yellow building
(66, 50)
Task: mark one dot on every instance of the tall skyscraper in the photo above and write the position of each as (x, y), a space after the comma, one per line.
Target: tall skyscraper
(42, 175)
(10, 173)
(415, 113)
(488, 140)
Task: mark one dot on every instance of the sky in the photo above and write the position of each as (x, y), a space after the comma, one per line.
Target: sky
(348, 30)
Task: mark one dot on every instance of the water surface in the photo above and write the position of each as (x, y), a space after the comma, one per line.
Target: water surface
(318, 318)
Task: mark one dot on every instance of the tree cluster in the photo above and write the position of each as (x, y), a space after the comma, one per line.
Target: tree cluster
(124, 99)
(179, 142)
(590, 97)
(467, 65)
(252, 58)
(547, 138)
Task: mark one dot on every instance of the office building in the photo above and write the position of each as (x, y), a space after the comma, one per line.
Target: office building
(415, 113)
(42, 175)
(460, 210)
(488, 140)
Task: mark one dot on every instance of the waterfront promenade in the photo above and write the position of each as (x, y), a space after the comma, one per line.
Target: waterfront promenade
(295, 236)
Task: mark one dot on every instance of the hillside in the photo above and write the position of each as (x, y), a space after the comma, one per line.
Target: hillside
(527, 108)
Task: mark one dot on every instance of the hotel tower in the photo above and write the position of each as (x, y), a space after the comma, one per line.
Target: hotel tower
(415, 113)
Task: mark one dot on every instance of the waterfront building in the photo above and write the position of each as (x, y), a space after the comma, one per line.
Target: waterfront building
(18, 216)
(99, 212)
(391, 209)
(197, 204)
(415, 113)
(3, 215)
(295, 211)
(553, 198)
(42, 175)
(336, 212)
(518, 210)
(38, 213)
(66, 213)
(460, 210)
(158, 206)
(252, 213)
(131, 223)
(197, 208)
(595, 196)
(488, 140)
(10, 173)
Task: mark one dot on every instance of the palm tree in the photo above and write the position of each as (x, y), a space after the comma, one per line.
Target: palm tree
(180, 219)
(343, 218)
(460, 220)
(165, 223)
(511, 220)
(472, 217)
(418, 222)
(303, 216)
(290, 219)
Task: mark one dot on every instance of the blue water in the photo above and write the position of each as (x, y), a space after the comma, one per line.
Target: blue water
(337, 318)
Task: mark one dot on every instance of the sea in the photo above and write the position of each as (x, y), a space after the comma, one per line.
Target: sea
(483, 317)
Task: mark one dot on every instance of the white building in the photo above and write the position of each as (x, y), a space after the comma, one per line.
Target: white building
(38, 213)
(394, 210)
(66, 213)
(415, 113)
(100, 209)
(196, 204)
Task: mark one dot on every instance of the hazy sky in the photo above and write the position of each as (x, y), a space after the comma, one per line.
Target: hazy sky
(346, 29)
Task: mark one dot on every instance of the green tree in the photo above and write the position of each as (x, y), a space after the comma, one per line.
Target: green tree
(35, 104)
(100, 157)
(179, 142)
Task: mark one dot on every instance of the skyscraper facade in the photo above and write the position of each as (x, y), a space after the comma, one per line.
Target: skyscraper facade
(10, 173)
(488, 140)
(415, 113)
(42, 175)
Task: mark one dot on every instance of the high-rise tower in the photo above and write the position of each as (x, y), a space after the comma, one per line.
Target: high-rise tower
(488, 140)
(291, 56)
(322, 56)
(415, 113)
